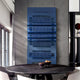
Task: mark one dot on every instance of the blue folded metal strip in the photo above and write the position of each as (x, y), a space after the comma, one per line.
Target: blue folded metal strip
(30, 24)
(42, 40)
(41, 21)
(54, 32)
(41, 29)
(42, 43)
(42, 55)
(41, 36)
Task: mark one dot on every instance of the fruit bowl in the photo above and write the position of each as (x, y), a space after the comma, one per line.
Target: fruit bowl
(44, 64)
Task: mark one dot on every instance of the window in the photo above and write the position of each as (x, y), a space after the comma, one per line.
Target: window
(4, 47)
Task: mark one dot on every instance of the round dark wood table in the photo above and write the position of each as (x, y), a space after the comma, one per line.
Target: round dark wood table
(35, 71)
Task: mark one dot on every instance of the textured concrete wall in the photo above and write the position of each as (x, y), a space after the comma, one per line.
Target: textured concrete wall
(20, 28)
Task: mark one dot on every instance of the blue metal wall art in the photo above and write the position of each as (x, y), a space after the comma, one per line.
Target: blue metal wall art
(41, 29)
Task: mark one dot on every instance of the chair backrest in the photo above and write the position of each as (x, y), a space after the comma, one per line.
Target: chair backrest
(75, 75)
(4, 76)
(20, 77)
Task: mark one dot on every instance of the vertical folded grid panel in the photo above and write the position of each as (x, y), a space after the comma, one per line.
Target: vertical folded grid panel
(41, 28)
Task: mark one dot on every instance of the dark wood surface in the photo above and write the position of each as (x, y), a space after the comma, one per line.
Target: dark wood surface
(3, 69)
(36, 69)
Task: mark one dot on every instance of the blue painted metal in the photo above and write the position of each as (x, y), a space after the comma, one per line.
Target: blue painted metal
(41, 28)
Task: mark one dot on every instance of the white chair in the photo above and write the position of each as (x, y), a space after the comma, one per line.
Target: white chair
(20, 77)
(4, 76)
(75, 75)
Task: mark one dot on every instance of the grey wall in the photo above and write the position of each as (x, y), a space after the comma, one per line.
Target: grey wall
(20, 28)
(4, 15)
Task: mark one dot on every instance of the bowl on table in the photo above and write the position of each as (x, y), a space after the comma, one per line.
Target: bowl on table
(44, 64)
